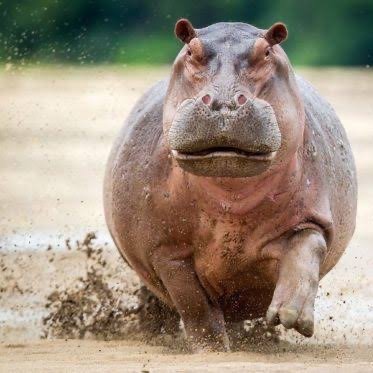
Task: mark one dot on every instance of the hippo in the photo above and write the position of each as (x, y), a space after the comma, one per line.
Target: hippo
(231, 189)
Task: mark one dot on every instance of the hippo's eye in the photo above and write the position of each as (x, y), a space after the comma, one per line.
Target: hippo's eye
(189, 52)
(267, 52)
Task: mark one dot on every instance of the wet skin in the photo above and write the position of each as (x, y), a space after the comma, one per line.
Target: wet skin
(231, 189)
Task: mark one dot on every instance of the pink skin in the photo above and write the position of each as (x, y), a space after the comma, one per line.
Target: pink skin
(230, 201)
(241, 195)
(221, 249)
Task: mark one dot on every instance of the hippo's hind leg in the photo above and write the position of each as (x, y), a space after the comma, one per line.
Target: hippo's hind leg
(203, 321)
(299, 273)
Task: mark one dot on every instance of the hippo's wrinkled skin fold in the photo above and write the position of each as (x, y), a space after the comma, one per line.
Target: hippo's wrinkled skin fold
(231, 189)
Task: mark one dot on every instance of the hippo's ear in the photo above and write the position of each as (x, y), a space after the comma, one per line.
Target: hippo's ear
(276, 34)
(184, 30)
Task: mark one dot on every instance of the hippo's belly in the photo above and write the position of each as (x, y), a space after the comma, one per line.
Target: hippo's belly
(242, 294)
(239, 275)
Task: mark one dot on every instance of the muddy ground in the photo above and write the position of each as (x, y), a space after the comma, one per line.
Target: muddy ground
(56, 128)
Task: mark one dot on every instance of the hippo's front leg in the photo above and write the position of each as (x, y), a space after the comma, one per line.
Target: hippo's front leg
(203, 321)
(299, 273)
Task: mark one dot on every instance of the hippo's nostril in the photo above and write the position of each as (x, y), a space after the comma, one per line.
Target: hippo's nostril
(241, 99)
(206, 99)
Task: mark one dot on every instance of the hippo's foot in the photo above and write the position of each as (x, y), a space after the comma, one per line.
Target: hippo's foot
(203, 321)
(294, 297)
(201, 340)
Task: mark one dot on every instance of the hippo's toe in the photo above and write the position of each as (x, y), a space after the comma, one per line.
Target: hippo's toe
(291, 318)
(288, 317)
(305, 321)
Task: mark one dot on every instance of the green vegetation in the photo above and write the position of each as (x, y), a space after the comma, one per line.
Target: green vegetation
(322, 32)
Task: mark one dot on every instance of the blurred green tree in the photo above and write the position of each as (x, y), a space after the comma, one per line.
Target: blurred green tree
(333, 32)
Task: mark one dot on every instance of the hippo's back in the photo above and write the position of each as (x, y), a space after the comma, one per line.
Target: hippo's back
(330, 162)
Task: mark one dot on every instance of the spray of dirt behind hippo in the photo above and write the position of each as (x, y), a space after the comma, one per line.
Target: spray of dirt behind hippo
(231, 189)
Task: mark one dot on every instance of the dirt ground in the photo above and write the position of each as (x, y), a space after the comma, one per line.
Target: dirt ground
(56, 129)
(131, 356)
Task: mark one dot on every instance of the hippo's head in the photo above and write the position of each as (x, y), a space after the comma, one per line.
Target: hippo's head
(232, 108)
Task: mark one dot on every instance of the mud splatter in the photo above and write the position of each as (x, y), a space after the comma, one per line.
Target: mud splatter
(91, 308)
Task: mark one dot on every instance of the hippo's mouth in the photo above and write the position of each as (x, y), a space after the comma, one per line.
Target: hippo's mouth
(224, 152)
(224, 161)
(208, 143)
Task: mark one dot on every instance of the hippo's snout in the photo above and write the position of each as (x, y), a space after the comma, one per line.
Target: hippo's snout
(237, 139)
